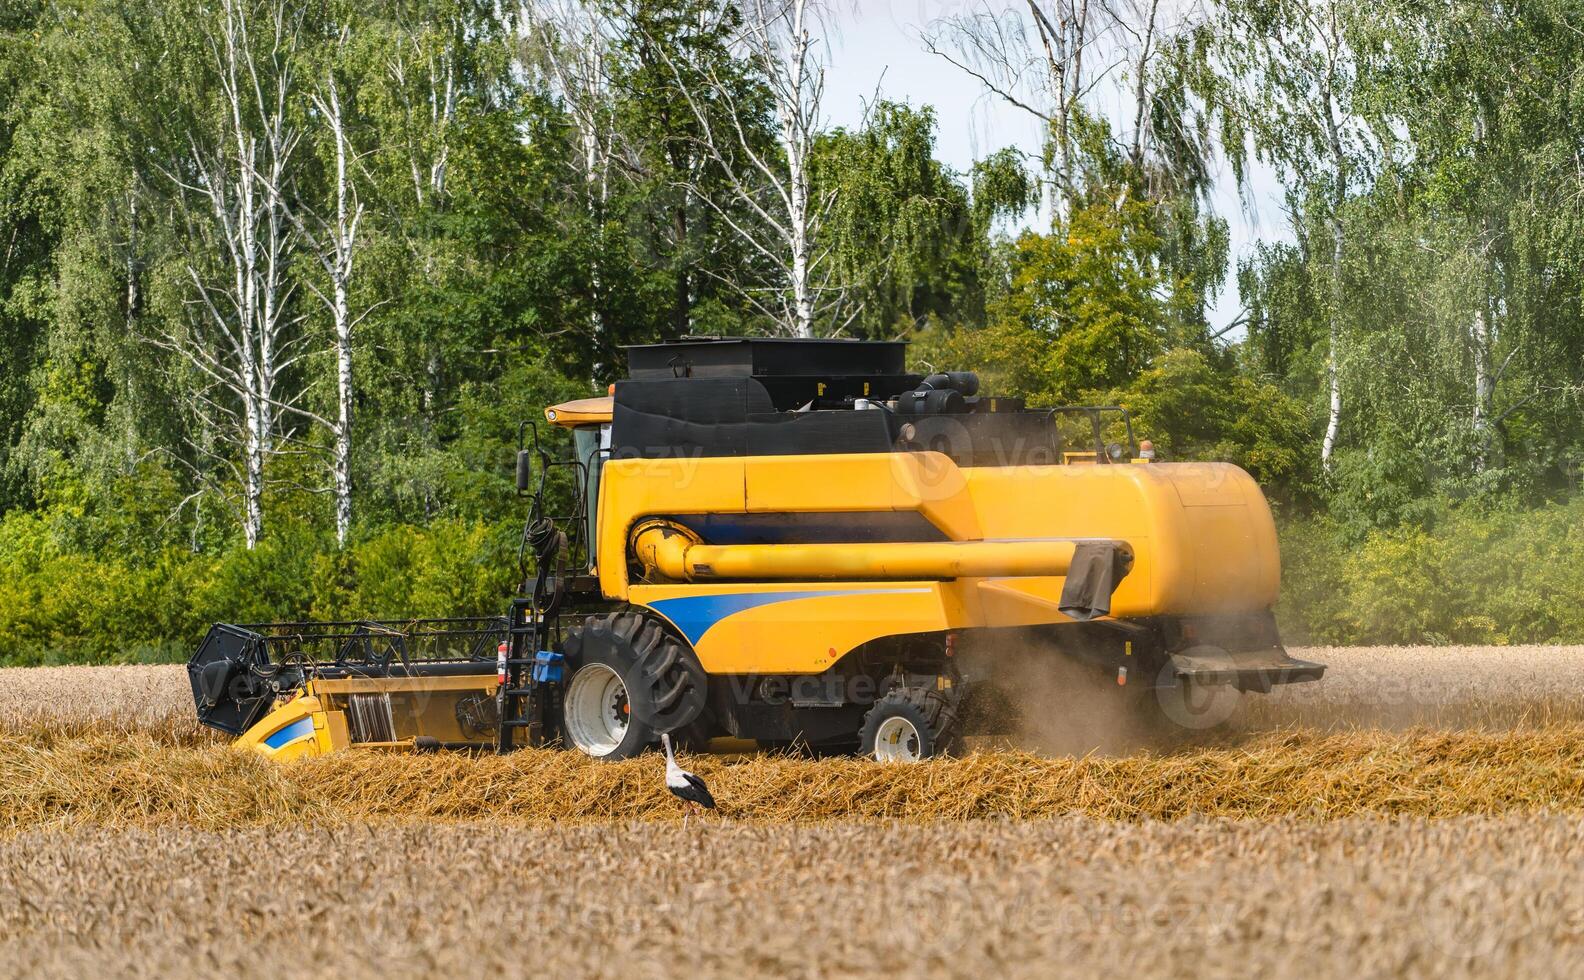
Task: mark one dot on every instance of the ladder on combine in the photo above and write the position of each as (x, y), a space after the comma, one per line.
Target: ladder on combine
(529, 678)
(528, 669)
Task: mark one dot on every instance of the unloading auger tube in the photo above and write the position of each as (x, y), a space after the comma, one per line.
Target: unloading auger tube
(672, 551)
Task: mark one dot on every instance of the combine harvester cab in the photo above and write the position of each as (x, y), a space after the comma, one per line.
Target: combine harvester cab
(798, 543)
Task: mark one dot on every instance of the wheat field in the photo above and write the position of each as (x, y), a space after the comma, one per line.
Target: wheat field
(1474, 896)
(151, 700)
(1418, 813)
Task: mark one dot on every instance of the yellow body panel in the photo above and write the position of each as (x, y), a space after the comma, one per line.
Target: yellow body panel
(393, 685)
(1202, 537)
(298, 729)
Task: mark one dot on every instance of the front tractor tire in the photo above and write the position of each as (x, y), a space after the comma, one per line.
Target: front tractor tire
(596, 711)
(628, 682)
(909, 725)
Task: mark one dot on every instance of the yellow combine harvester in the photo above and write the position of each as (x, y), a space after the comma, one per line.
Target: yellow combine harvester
(799, 543)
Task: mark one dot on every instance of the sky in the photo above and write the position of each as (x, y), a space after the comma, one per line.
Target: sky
(876, 48)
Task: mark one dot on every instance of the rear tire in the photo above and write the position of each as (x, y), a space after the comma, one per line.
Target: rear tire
(908, 725)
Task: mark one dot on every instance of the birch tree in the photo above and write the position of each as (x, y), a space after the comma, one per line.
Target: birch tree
(240, 338)
(779, 36)
(1452, 87)
(770, 201)
(1168, 135)
(333, 239)
(1038, 57)
(569, 44)
(424, 76)
(1293, 83)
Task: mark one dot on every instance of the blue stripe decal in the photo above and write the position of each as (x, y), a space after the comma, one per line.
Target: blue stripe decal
(697, 615)
(299, 729)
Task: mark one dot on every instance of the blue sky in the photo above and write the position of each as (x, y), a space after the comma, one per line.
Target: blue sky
(877, 46)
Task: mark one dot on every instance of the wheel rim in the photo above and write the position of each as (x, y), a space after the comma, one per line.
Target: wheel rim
(897, 740)
(597, 712)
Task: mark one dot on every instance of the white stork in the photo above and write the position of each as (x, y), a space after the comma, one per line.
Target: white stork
(684, 785)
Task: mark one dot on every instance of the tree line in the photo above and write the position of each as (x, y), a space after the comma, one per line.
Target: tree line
(276, 273)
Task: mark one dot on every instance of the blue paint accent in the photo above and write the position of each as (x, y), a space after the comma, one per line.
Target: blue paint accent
(299, 729)
(696, 615)
(804, 527)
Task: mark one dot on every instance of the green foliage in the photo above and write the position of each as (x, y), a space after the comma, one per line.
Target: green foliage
(450, 568)
(1457, 303)
(60, 604)
(1193, 411)
(1480, 576)
(669, 262)
(1081, 312)
(904, 234)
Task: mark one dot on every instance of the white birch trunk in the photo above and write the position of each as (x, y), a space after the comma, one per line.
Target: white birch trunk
(335, 243)
(1141, 93)
(342, 457)
(1338, 253)
(344, 245)
(1484, 383)
(241, 256)
(773, 209)
(134, 294)
(253, 449)
(1333, 345)
(1480, 335)
(797, 142)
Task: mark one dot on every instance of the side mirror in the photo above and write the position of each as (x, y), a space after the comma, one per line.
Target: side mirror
(524, 470)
